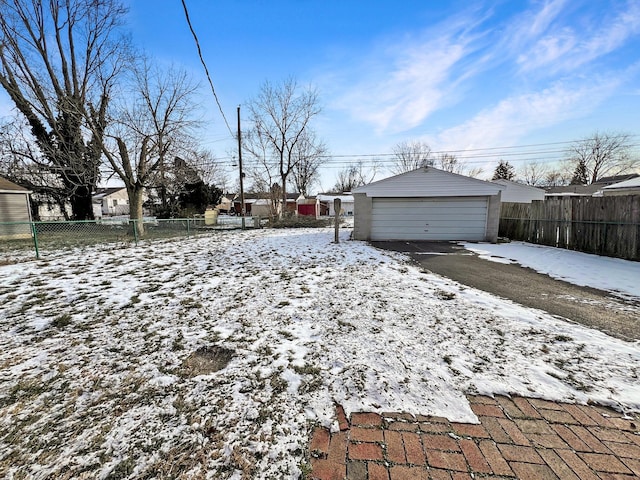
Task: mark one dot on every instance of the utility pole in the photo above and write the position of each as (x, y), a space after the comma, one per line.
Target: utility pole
(241, 172)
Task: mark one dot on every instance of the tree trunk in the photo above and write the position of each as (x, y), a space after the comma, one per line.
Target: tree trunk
(283, 211)
(81, 203)
(135, 207)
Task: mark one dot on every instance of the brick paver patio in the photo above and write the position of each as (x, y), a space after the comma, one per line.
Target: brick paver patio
(518, 437)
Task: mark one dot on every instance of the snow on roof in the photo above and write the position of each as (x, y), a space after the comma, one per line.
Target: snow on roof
(631, 183)
(325, 197)
(105, 192)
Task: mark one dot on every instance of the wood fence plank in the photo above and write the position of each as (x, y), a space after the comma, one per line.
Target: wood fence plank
(602, 225)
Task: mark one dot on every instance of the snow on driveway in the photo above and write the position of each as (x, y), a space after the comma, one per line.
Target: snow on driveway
(91, 357)
(620, 277)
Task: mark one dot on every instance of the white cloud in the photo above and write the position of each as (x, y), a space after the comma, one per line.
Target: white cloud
(569, 48)
(512, 118)
(399, 87)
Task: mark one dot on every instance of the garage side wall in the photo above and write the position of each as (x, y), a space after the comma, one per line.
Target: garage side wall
(493, 218)
(363, 209)
(14, 207)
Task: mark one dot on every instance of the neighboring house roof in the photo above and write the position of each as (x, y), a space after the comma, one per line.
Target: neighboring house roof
(249, 196)
(105, 192)
(589, 190)
(573, 190)
(631, 183)
(617, 178)
(429, 182)
(327, 197)
(9, 187)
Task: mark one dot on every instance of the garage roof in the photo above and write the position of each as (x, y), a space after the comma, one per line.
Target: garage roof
(429, 182)
(9, 187)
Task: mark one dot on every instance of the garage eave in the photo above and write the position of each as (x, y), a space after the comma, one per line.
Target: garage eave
(429, 182)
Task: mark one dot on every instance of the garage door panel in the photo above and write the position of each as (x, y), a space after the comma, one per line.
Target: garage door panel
(429, 219)
(440, 216)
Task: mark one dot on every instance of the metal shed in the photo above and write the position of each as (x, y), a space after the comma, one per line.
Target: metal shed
(427, 204)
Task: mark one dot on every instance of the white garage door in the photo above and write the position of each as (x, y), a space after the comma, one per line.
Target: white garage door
(460, 218)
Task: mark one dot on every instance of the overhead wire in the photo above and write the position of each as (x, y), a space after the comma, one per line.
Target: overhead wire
(204, 64)
(471, 156)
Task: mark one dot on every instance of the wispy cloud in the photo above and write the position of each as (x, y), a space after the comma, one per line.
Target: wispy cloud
(563, 49)
(398, 87)
(512, 118)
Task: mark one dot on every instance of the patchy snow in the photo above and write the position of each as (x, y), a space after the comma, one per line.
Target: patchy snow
(620, 277)
(92, 361)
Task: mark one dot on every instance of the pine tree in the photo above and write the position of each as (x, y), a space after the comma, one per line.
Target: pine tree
(580, 174)
(504, 170)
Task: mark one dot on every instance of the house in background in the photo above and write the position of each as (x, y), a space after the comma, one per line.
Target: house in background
(292, 202)
(519, 192)
(628, 187)
(308, 207)
(588, 190)
(111, 201)
(346, 205)
(14, 207)
(45, 209)
(262, 204)
(427, 204)
(226, 203)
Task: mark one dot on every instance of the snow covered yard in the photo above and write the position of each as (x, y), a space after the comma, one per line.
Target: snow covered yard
(98, 376)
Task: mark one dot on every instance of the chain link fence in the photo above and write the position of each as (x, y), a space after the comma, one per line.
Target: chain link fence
(25, 239)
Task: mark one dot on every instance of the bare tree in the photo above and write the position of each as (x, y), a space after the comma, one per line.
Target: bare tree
(534, 174)
(310, 154)
(262, 172)
(58, 62)
(410, 155)
(281, 115)
(354, 176)
(555, 178)
(154, 127)
(449, 163)
(474, 172)
(602, 154)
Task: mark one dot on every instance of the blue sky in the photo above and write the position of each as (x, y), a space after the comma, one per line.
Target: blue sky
(459, 75)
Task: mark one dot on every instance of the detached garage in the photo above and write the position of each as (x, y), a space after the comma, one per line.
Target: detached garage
(427, 204)
(14, 211)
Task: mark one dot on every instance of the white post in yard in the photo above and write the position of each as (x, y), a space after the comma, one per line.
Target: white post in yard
(337, 205)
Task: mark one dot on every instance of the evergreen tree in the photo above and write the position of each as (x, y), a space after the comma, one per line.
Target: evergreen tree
(580, 174)
(504, 170)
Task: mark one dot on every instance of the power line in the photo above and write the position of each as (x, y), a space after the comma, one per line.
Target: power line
(206, 70)
(480, 156)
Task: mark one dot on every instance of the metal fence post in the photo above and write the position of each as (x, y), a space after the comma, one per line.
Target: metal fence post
(34, 233)
(188, 228)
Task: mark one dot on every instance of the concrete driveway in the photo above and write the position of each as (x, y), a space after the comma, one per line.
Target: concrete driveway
(588, 306)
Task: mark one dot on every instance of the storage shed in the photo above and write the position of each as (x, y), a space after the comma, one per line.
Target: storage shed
(14, 207)
(427, 204)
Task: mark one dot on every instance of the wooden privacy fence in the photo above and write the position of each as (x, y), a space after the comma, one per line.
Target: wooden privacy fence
(603, 225)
